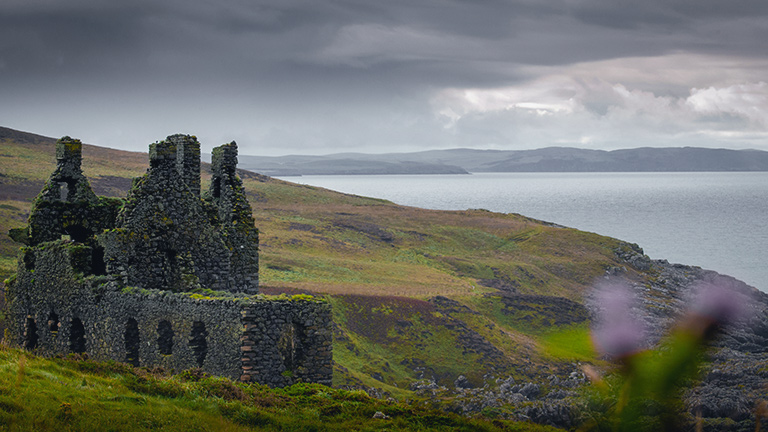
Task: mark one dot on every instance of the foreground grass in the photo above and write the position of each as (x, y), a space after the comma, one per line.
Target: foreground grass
(73, 394)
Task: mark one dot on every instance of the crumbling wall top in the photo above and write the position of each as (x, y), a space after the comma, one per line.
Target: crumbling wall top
(188, 160)
(167, 237)
(177, 155)
(224, 159)
(67, 183)
(163, 235)
(67, 204)
(162, 156)
(69, 153)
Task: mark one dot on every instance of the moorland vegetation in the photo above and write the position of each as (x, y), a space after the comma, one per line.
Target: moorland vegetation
(473, 312)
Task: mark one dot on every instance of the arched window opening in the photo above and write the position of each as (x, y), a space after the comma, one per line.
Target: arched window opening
(53, 323)
(165, 337)
(132, 342)
(77, 336)
(30, 334)
(198, 342)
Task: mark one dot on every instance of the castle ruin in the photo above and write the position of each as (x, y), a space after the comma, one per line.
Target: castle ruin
(166, 277)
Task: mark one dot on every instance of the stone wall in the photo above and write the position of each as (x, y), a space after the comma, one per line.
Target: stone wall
(54, 309)
(287, 340)
(187, 160)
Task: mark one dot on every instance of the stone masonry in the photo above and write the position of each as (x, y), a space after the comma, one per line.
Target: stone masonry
(166, 277)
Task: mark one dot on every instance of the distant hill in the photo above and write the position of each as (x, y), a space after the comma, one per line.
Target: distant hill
(551, 159)
(13, 135)
(343, 164)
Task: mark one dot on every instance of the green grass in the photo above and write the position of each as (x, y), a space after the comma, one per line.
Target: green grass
(570, 343)
(399, 339)
(533, 317)
(71, 394)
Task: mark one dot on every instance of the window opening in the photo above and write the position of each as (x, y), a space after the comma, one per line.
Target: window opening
(53, 323)
(63, 191)
(29, 259)
(77, 336)
(30, 334)
(165, 337)
(98, 266)
(132, 341)
(290, 345)
(198, 342)
(77, 233)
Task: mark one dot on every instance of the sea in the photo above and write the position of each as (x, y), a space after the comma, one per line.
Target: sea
(714, 220)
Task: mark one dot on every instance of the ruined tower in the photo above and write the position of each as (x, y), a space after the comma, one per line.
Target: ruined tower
(167, 236)
(235, 215)
(164, 236)
(67, 205)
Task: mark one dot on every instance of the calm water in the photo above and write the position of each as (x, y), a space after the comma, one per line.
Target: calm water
(713, 220)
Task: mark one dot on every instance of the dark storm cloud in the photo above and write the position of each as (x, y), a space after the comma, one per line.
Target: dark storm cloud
(702, 26)
(37, 42)
(238, 38)
(662, 13)
(341, 72)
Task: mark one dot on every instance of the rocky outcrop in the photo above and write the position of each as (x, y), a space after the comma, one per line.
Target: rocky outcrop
(732, 380)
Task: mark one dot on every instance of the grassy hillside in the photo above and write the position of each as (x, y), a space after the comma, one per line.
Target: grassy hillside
(74, 394)
(416, 294)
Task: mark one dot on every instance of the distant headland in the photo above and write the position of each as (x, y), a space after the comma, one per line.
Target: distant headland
(551, 159)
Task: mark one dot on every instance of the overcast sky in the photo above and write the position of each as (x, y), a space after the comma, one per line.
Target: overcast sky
(323, 76)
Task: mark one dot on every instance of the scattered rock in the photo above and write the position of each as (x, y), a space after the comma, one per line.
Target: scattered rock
(530, 390)
(462, 382)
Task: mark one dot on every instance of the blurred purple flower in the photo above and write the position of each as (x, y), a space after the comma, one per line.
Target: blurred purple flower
(717, 300)
(617, 332)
